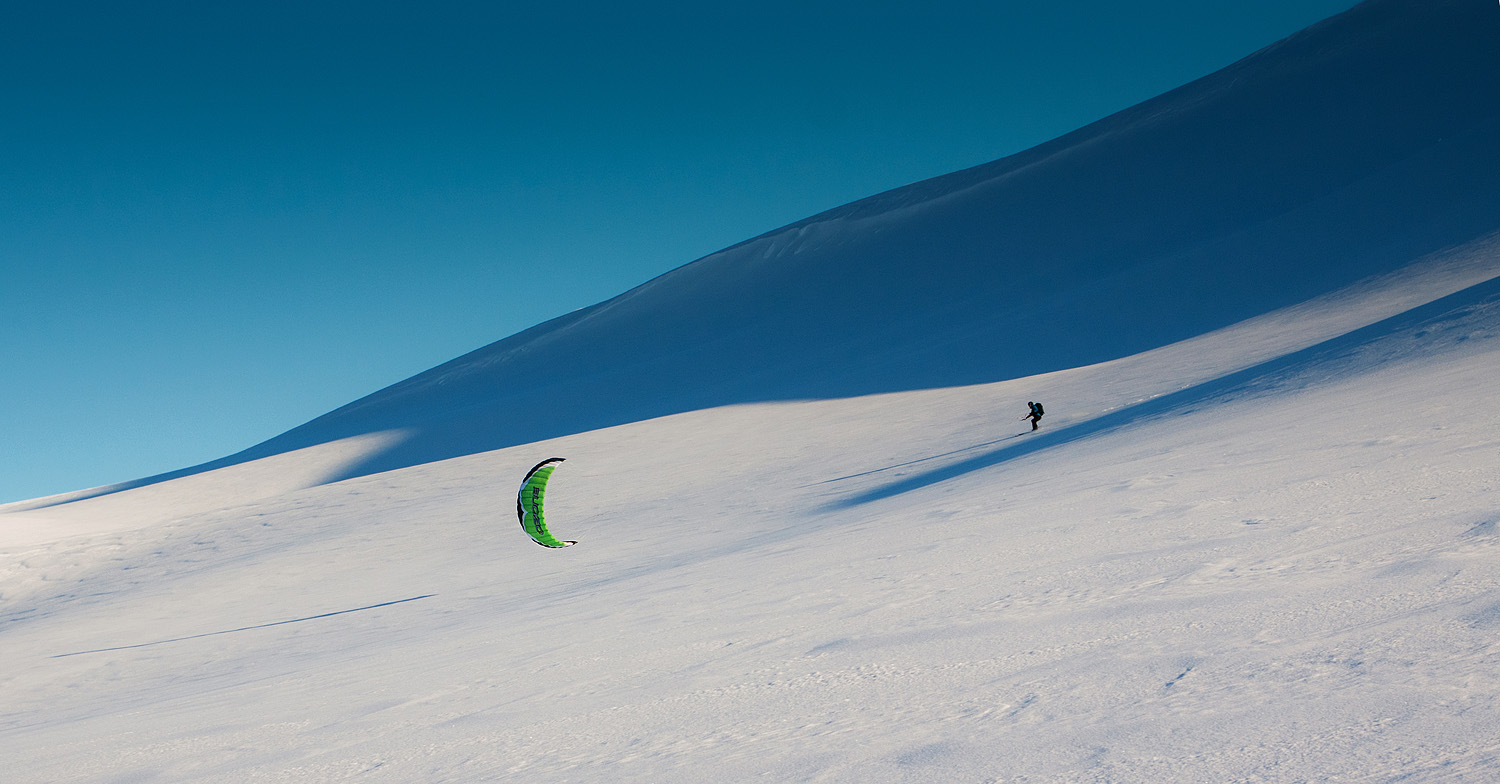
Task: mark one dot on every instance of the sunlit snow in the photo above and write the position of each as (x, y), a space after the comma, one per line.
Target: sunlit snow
(1255, 538)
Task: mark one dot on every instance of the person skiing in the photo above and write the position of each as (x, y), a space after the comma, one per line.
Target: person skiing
(1035, 415)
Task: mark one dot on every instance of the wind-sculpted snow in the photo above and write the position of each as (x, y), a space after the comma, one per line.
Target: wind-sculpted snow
(1285, 573)
(1255, 538)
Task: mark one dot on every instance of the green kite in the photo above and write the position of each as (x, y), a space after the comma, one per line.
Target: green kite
(529, 503)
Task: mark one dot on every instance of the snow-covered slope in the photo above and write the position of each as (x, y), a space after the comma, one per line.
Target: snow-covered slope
(1285, 574)
(1255, 539)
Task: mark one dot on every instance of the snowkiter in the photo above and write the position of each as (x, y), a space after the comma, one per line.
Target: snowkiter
(1035, 415)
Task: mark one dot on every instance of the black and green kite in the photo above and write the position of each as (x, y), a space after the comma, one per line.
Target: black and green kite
(529, 503)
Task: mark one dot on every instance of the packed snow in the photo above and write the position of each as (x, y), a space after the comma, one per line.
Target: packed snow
(1286, 577)
(1255, 542)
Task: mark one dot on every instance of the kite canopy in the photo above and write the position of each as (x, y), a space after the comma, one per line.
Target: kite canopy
(529, 503)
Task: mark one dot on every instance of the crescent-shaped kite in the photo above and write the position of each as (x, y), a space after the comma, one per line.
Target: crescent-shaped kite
(529, 503)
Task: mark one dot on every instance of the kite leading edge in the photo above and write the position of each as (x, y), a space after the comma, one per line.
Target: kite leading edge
(529, 503)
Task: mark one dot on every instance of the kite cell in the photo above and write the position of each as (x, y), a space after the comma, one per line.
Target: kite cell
(529, 503)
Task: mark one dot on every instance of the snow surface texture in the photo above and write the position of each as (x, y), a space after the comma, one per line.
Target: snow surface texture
(1254, 541)
(1290, 575)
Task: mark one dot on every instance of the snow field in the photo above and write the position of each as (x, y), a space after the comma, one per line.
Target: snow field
(1289, 579)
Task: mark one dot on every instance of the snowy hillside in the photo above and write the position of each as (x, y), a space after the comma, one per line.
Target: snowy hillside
(1255, 539)
(1285, 574)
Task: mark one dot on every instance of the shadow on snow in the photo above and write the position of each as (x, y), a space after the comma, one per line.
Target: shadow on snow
(1264, 376)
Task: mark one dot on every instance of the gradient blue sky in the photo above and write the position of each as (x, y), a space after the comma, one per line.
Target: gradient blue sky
(218, 221)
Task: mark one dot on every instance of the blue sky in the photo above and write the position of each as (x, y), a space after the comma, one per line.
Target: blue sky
(218, 222)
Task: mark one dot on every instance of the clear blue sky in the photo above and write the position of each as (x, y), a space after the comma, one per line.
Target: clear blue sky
(218, 221)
